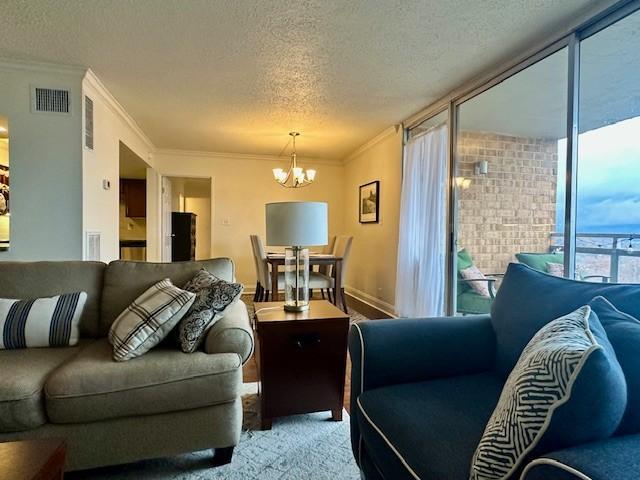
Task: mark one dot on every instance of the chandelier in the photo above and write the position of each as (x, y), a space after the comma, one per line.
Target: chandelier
(296, 176)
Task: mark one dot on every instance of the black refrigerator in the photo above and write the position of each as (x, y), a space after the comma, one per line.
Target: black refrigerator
(183, 236)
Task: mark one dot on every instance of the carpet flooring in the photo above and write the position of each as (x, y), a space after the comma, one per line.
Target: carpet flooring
(300, 447)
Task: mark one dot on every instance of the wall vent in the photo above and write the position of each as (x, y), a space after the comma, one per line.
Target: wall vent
(49, 100)
(88, 123)
(92, 246)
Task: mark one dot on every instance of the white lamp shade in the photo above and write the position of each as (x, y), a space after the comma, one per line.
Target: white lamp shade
(299, 224)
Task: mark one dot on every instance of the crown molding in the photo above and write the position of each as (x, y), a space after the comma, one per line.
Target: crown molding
(243, 156)
(12, 65)
(96, 84)
(387, 132)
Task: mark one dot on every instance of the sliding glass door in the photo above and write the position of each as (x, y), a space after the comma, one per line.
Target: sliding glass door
(507, 188)
(608, 161)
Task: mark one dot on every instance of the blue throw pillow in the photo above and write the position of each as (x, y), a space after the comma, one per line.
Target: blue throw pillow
(527, 300)
(567, 388)
(623, 331)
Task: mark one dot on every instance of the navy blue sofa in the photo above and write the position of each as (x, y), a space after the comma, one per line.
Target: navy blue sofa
(422, 390)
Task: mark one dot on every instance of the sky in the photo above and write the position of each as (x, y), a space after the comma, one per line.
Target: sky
(608, 179)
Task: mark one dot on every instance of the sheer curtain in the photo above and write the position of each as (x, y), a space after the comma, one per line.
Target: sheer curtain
(421, 269)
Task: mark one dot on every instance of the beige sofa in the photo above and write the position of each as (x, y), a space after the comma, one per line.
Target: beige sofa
(163, 403)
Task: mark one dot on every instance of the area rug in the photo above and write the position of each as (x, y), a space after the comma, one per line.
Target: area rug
(300, 447)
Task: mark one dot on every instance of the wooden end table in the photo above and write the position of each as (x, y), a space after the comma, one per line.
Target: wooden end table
(32, 460)
(302, 359)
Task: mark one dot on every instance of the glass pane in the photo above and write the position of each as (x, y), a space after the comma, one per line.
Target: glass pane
(509, 192)
(4, 184)
(608, 169)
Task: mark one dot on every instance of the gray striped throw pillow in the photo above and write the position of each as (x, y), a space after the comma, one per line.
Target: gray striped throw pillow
(149, 319)
(41, 322)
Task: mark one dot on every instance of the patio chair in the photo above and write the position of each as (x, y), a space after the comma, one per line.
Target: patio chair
(541, 261)
(468, 301)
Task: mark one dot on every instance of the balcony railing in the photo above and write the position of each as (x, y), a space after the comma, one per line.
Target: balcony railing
(613, 245)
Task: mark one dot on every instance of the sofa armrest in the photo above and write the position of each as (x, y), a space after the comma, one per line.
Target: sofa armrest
(232, 333)
(391, 352)
(611, 459)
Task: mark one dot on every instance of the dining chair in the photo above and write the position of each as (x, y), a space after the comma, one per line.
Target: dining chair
(254, 252)
(326, 269)
(262, 269)
(342, 248)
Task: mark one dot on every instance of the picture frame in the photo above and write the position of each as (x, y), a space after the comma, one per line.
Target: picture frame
(369, 202)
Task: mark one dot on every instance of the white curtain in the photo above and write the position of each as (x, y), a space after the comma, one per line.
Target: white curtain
(421, 269)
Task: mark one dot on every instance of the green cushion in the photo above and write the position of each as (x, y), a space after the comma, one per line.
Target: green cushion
(471, 303)
(464, 259)
(538, 261)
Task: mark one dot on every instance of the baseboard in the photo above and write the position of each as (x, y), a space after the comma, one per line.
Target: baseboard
(374, 307)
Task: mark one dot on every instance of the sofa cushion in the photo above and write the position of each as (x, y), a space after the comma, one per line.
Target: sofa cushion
(623, 332)
(429, 428)
(24, 373)
(41, 322)
(148, 320)
(93, 387)
(566, 389)
(26, 280)
(527, 300)
(125, 281)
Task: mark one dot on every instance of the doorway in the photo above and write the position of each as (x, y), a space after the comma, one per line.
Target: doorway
(186, 215)
(133, 205)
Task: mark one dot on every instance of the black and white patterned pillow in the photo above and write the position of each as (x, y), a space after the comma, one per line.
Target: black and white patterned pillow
(213, 297)
(566, 369)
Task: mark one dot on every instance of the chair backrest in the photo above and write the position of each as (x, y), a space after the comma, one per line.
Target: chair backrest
(252, 238)
(260, 257)
(342, 249)
(327, 269)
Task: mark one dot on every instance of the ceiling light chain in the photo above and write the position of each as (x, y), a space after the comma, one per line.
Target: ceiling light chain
(296, 176)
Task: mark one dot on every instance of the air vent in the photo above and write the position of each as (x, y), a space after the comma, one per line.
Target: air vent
(92, 246)
(88, 123)
(49, 100)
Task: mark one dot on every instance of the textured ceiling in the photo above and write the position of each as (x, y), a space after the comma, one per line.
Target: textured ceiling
(237, 76)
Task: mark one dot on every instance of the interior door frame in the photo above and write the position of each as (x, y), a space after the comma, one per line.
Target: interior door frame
(165, 227)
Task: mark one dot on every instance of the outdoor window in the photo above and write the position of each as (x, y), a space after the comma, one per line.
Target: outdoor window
(608, 162)
(507, 180)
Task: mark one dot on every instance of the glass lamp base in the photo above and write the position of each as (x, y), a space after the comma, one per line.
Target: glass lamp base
(296, 308)
(296, 279)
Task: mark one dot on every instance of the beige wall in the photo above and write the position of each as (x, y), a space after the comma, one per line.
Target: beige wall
(371, 273)
(512, 208)
(112, 125)
(242, 184)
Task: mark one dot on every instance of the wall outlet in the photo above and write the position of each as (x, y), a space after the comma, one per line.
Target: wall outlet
(226, 222)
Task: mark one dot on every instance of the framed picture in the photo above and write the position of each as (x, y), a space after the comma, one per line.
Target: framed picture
(369, 202)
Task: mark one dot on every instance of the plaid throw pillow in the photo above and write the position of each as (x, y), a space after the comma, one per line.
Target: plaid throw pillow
(41, 322)
(148, 320)
(213, 297)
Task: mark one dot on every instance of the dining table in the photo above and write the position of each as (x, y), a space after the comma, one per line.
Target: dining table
(277, 260)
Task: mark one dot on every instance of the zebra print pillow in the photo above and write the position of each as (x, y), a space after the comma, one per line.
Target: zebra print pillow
(41, 322)
(567, 388)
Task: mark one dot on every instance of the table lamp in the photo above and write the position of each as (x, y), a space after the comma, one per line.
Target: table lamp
(296, 225)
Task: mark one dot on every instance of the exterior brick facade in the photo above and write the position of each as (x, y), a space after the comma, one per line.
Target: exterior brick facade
(512, 208)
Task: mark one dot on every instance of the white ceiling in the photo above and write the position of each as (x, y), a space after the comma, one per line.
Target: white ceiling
(237, 76)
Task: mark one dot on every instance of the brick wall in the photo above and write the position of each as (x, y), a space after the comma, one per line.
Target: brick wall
(511, 209)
